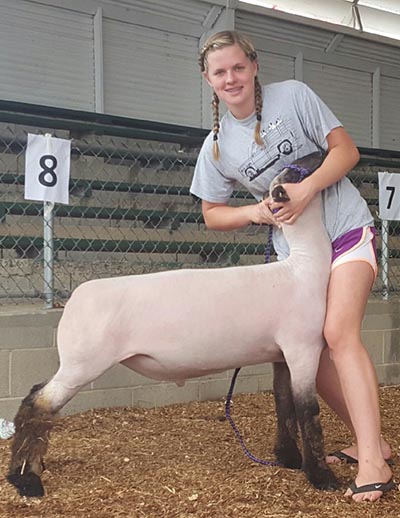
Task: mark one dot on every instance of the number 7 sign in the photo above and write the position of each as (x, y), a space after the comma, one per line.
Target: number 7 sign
(47, 168)
(389, 196)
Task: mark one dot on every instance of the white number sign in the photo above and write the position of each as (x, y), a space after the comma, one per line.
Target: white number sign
(47, 168)
(389, 196)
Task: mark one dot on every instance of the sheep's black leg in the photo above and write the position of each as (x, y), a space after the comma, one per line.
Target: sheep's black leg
(303, 364)
(33, 423)
(286, 450)
(314, 465)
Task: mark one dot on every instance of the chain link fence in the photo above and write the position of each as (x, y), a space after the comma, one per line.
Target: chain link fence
(130, 210)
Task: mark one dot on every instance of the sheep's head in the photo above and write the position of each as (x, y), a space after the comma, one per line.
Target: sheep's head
(294, 173)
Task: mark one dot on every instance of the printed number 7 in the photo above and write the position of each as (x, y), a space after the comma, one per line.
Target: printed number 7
(391, 189)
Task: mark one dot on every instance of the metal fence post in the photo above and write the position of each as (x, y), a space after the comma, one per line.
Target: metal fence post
(385, 259)
(48, 253)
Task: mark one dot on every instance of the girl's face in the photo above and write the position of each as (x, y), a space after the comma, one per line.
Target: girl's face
(231, 74)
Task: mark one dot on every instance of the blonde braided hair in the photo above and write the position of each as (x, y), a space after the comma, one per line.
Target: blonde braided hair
(215, 109)
(218, 41)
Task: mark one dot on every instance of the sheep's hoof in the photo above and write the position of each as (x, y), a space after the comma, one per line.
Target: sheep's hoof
(323, 479)
(28, 484)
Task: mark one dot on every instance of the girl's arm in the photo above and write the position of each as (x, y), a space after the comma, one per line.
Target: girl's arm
(219, 216)
(342, 156)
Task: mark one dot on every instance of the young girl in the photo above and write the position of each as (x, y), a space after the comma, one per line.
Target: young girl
(264, 129)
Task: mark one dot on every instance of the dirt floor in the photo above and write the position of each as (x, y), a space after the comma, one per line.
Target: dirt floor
(184, 461)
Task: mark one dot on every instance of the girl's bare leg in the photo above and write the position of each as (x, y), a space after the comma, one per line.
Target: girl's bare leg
(348, 293)
(330, 390)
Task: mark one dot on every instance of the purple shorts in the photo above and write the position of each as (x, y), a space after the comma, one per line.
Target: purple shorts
(356, 245)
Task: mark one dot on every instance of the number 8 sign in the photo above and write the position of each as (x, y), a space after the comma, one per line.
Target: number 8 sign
(47, 168)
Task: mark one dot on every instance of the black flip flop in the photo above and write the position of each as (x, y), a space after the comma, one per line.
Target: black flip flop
(348, 459)
(378, 486)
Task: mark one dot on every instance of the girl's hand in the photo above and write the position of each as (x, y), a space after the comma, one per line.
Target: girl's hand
(260, 213)
(300, 195)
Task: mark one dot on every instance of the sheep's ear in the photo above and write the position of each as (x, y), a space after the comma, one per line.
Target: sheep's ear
(279, 194)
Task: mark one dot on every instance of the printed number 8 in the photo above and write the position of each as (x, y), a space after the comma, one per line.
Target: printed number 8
(48, 171)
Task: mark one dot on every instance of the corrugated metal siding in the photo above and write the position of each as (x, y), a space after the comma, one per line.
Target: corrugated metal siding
(274, 68)
(390, 113)
(151, 74)
(364, 49)
(185, 10)
(349, 95)
(316, 39)
(280, 30)
(47, 55)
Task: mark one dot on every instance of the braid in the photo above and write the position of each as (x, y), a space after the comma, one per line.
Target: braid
(259, 105)
(215, 108)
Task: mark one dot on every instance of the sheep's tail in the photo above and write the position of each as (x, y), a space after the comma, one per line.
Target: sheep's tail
(33, 423)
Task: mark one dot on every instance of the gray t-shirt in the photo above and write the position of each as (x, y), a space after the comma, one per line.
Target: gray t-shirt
(295, 122)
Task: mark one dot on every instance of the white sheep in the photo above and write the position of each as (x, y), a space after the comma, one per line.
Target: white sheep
(176, 325)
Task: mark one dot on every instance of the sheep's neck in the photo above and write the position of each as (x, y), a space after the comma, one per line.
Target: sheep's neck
(307, 237)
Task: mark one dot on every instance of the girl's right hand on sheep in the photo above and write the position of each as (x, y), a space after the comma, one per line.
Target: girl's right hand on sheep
(261, 214)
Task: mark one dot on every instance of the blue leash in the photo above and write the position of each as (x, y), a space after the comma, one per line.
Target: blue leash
(235, 428)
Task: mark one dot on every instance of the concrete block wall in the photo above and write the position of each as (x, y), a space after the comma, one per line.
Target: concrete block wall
(28, 355)
(381, 336)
